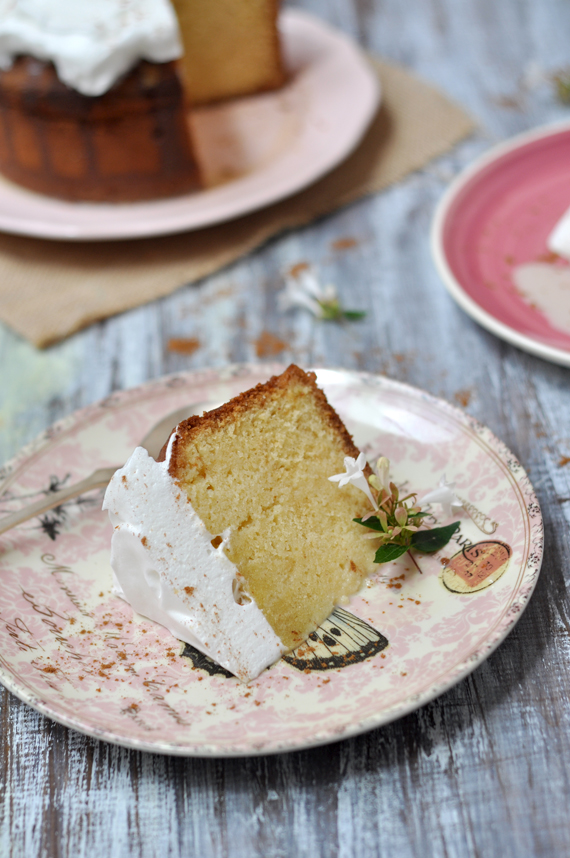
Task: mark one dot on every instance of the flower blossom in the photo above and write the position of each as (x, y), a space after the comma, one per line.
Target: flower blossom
(445, 496)
(303, 289)
(354, 473)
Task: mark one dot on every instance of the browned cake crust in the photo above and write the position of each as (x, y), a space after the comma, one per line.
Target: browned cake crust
(256, 396)
(129, 144)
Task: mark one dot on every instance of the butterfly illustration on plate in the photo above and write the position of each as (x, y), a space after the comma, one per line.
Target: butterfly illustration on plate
(341, 640)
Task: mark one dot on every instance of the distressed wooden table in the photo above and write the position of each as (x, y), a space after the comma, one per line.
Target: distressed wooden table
(485, 769)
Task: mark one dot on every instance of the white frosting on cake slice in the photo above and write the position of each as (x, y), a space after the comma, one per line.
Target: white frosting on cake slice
(168, 570)
(90, 42)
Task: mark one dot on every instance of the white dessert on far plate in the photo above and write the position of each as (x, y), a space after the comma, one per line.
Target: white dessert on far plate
(559, 239)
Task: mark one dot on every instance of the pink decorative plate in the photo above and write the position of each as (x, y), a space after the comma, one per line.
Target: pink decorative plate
(254, 151)
(489, 242)
(78, 654)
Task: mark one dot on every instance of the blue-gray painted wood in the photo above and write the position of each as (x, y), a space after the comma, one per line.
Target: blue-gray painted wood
(484, 770)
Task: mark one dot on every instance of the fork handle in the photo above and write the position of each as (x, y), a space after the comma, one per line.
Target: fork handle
(98, 479)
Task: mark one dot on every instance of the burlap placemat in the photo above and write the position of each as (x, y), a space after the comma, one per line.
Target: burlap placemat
(50, 289)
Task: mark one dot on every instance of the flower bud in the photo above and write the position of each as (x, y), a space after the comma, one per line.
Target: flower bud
(383, 468)
(383, 519)
(401, 516)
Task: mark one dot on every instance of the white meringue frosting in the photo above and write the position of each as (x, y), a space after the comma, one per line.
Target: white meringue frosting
(90, 42)
(166, 567)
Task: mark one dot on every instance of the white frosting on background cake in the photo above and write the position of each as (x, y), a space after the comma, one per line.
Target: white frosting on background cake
(90, 42)
(168, 570)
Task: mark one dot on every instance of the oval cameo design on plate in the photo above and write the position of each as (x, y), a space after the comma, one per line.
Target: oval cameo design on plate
(476, 567)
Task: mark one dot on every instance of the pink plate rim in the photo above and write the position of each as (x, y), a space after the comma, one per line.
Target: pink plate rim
(452, 284)
(483, 436)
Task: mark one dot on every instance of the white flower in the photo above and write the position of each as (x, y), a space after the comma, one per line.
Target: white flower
(445, 496)
(304, 290)
(354, 474)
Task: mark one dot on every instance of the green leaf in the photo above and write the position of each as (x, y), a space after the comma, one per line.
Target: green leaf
(430, 541)
(372, 523)
(354, 315)
(386, 553)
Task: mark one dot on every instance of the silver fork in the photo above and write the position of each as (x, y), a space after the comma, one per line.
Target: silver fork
(152, 442)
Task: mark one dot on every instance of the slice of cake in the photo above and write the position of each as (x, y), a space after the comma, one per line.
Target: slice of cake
(231, 47)
(237, 541)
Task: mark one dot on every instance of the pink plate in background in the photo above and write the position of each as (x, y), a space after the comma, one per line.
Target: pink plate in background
(254, 151)
(493, 221)
(78, 654)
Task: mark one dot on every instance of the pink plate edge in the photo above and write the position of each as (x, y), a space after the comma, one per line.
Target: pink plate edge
(453, 286)
(462, 669)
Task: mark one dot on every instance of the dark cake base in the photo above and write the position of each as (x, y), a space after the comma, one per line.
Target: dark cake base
(131, 143)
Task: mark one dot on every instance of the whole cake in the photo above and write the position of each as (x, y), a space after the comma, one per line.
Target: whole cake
(236, 540)
(91, 103)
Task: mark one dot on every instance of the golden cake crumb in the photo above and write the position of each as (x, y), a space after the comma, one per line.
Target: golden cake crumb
(260, 465)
